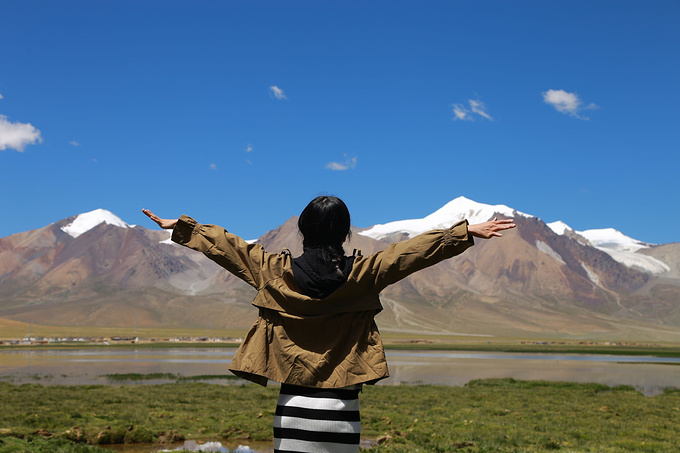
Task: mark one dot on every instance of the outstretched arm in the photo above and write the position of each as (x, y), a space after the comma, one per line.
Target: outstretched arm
(166, 224)
(491, 228)
(227, 250)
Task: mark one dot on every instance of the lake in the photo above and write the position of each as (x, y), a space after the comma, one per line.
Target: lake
(649, 375)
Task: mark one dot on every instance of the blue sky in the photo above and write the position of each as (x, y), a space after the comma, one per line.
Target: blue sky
(238, 113)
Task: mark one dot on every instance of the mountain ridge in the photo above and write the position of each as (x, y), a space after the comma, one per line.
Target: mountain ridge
(532, 281)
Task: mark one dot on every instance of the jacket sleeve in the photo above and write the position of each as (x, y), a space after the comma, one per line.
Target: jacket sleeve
(228, 250)
(403, 258)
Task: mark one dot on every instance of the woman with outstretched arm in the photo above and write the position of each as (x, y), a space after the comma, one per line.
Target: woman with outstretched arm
(316, 333)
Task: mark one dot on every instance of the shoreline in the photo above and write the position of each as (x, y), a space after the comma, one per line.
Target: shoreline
(518, 346)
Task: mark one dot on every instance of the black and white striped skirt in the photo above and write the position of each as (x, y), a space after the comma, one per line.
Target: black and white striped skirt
(310, 420)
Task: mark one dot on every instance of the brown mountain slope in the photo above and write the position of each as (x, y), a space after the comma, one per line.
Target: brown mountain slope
(530, 282)
(113, 276)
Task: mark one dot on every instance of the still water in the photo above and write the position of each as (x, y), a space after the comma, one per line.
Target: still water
(649, 375)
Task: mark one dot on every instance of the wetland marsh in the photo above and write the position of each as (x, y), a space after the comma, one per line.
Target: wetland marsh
(491, 401)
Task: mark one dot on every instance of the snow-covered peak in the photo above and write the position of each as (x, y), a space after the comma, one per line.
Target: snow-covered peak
(619, 246)
(452, 212)
(623, 249)
(559, 227)
(609, 238)
(605, 238)
(88, 220)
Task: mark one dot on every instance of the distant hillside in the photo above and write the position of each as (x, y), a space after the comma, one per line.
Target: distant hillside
(538, 280)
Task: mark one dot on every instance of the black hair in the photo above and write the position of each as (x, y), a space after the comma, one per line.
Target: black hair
(325, 225)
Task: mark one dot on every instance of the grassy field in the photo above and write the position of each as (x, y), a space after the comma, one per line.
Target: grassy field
(11, 329)
(484, 416)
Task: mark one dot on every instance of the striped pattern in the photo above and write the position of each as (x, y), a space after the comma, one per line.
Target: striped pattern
(309, 420)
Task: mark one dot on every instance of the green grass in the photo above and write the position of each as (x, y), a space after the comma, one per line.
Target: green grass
(134, 377)
(209, 377)
(499, 415)
(36, 444)
(526, 416)
(125, 377)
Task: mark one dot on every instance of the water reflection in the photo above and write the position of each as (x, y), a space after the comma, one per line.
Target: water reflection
(192, 445)
(650, 375)
(212, 447)
(536, 356)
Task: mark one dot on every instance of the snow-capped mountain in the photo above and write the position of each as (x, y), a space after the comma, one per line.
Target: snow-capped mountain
(452, 212)
(608, 238)
(83, 223)
(95, 269)
(619, 246)
(622, 248)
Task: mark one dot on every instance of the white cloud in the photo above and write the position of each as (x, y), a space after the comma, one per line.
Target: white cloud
(567, 103)
(479, 108)
(277, 92)
(336, 166)
(17, 135)
(249, 148)
(562, 101)
(0, 96)
(462, 113)
(74, 143)
(341, 166)
(213, 166)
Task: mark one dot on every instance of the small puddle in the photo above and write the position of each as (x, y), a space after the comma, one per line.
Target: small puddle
(194, 445)
(209, 446)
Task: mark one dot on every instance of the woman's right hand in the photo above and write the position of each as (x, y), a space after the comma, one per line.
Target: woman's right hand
(490, 229)
(166, 224)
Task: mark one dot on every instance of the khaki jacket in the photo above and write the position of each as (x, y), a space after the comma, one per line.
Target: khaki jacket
(324, 343)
